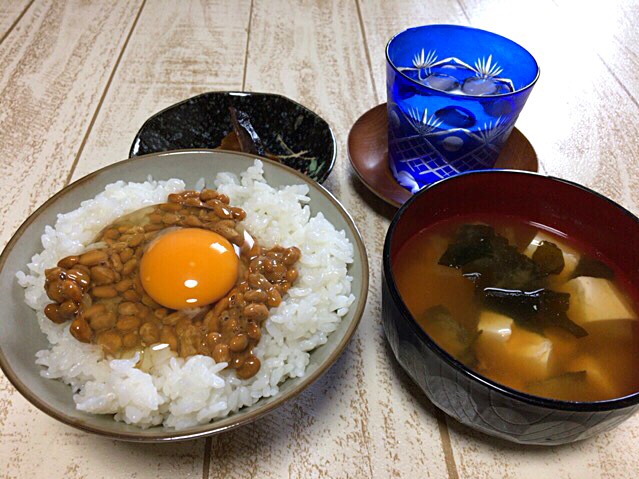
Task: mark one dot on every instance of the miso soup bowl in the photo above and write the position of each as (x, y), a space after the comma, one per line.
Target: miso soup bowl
(471, 398)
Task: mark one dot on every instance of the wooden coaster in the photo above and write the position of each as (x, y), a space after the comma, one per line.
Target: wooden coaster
(368, 154)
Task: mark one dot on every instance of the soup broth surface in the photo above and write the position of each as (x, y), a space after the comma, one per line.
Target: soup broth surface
(557, 323)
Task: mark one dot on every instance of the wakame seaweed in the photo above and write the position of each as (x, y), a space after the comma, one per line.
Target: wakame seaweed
(533, 310)
(508, 281)
(440, 315)
(489, 260)
(471, 242)
(571, 379)
(549, 258)
(592, 267)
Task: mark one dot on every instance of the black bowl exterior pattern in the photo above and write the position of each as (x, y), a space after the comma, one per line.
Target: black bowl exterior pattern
(477, 404)
(286, 128)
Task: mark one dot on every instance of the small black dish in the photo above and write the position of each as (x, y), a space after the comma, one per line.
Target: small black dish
(462, 393)
(303, 139)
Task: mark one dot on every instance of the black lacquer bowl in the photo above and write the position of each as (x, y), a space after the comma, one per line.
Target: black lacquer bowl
(300, 137)
(463, 394)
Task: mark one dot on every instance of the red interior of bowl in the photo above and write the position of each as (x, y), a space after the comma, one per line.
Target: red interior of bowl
(581, 214)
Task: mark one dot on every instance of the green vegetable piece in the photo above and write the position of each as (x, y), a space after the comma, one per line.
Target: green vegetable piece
(592, 267)
(549, 258)
(557, 386)
(449, 334)
(533, 310)
(553, 309)
(488, 260)
(505, 268)
(508, 281)
(471, 242)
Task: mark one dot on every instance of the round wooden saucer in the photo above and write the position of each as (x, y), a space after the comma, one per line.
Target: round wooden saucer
(368, 153)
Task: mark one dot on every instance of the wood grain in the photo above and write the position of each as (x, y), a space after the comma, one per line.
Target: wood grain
(580, 140)
(52, 72)
(362, 419)
(580, 131)
(76, 82)
(382, 20)
(53, 69)
(611, 32)
(10, 14)
(176, 51)
(179, 49)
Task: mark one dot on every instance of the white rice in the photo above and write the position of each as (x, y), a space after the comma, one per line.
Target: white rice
(176, 392)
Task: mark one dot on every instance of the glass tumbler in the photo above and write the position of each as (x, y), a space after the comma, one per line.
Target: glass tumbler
(454, 94)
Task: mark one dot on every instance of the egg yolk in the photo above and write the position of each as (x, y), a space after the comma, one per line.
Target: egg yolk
(189, 267)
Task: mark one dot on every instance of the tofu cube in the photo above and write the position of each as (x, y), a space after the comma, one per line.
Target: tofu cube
(530, 353)
(564, 345)
(508, 350)
(596, 299)
(495, 326)
(595, 375)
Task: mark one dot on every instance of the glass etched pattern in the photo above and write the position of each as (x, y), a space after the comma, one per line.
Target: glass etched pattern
(447, 113)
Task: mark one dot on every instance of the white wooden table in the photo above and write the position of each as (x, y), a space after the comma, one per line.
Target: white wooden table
(78, 78)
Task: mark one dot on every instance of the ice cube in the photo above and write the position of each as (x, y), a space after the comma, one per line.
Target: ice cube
(498, 107)
(456, 116)
(477, 86)
(441, 81)
(596, 299)
(412, 74)
(502, 87)
(452, 143)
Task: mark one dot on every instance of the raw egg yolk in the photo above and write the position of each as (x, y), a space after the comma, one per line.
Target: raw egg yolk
(189, 267)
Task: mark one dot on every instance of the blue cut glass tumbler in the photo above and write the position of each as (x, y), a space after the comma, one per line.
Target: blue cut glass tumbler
(454, 94)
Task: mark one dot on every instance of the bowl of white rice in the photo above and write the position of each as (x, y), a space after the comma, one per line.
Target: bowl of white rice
(175, 398)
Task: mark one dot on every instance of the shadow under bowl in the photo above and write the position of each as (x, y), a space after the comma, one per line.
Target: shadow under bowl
(465, 395)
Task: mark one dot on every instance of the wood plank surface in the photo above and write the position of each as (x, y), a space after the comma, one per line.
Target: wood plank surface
(611, 32)
(359, 420)
(381, 20)
(178, 50)
(581, 131)
(53, 70)
(575, 126)
(10, 14)
(78, 78)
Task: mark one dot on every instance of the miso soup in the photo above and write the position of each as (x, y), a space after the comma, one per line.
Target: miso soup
(524, 306)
